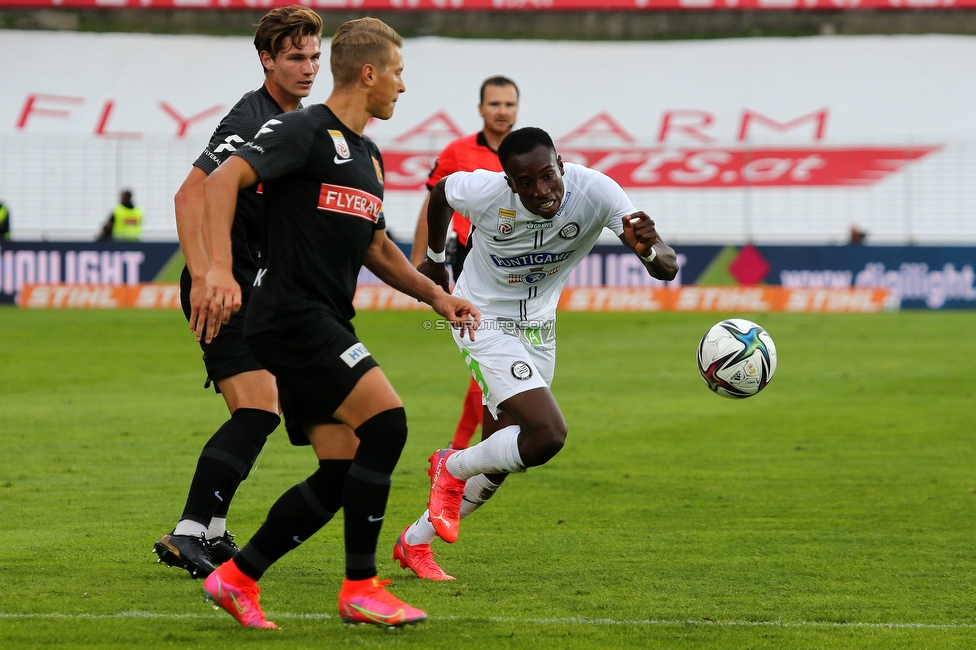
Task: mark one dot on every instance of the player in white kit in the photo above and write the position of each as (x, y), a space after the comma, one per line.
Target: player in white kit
(533, 223)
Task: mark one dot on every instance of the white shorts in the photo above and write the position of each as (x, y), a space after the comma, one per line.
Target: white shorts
(506, 359)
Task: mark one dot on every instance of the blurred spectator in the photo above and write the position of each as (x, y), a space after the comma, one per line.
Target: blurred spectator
(858, 236)
(4, 222)
(125, 221)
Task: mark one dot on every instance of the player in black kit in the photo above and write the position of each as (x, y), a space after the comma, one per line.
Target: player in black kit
(323, 185)
(288, 43)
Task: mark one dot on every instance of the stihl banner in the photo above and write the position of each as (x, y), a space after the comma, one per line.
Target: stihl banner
(737, 299)
(497, 5)
(99, 296)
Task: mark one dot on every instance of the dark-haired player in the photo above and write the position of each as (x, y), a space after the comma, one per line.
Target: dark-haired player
(498, 107)
(323, 187)
(533, 223)
(288, 43)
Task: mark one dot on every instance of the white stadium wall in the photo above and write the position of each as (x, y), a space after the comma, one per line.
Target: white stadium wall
(724, 141)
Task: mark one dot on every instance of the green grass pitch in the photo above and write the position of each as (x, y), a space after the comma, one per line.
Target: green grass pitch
(833, 510)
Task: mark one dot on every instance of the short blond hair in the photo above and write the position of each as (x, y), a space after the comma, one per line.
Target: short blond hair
(295, 22)
(358, 42)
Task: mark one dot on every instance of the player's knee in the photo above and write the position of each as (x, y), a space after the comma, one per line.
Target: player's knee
(259, 421)
(240, 440)
(549, 441)
(381, 440)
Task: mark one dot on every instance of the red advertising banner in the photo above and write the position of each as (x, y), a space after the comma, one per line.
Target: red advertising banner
(636, 168)
(498, 5)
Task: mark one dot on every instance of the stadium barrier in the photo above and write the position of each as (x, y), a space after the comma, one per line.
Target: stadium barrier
(628, 299)
(99, 296)
(915, 277)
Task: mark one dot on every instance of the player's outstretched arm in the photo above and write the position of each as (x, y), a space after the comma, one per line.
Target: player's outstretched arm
(223, 296)
(420, 235)
(189, 217)
(641, 236)
(439, 215)
(387, 262)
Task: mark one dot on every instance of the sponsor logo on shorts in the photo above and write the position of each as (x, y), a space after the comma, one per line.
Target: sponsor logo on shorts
(354, 355)
(532, 259)
(349, 200)
(570, 230)
(506, 222)
(341, 146)
(538, 225)
(521, 370)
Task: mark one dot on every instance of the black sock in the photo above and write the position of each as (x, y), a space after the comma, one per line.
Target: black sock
(297, 515)
(381, 439)
(225, 461)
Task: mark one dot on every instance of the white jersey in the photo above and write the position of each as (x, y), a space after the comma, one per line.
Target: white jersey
(519, 261)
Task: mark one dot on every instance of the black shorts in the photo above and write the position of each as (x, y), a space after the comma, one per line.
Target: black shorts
(317, 361)
(226, 355)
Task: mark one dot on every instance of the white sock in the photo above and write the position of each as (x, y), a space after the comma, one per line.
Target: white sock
(498, 454)
(477, 490)
(421, 531)
(218, 526)
(191, 528)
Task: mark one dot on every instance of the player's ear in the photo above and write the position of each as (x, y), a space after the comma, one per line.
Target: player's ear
(511, 185)
(368, 74)
(267, 61)
(559, 164)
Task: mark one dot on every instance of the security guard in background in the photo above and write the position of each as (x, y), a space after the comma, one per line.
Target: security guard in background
(4, 222)
(125, 222)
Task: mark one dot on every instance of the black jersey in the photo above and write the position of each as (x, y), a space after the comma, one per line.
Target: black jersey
(323, 192)
(237, 127)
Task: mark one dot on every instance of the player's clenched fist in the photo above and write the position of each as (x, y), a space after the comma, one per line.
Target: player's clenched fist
(640, 231)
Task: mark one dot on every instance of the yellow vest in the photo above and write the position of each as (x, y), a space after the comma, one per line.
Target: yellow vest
(4, 214)
(128, 223)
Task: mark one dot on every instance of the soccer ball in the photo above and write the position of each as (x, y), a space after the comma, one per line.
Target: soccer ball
(736, 358)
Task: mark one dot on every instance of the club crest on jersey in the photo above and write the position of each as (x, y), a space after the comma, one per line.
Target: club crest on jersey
(341, 146)
(570, 230)
(379, 170)
(506, 221)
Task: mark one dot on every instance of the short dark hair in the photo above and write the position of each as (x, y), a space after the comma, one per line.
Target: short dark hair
(499, 81)
(295, 22)
(522, 141)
